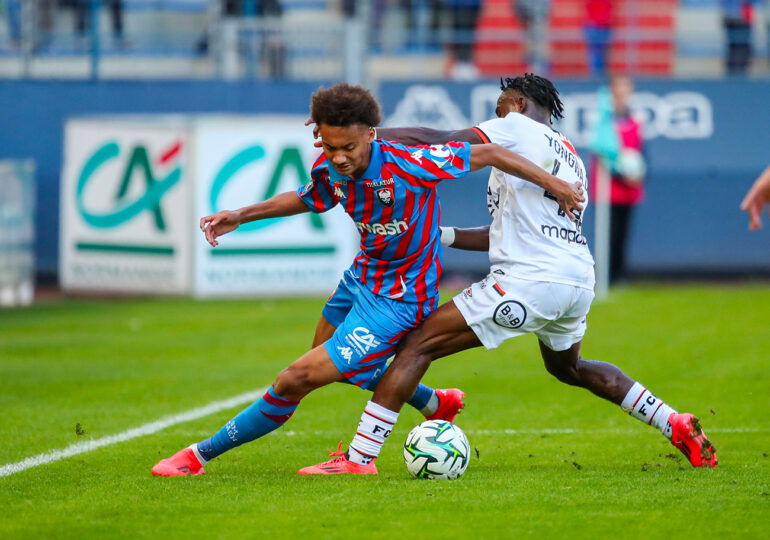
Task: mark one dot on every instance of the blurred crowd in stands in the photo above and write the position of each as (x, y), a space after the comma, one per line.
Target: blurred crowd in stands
(541, 32)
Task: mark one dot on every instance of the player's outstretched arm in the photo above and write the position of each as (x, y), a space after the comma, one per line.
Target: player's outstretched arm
(756, 199)
(281, 205)
(569, 196)
(412, 136)
(470, 239)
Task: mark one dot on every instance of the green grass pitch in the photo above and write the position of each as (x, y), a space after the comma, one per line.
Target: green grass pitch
(553, 461)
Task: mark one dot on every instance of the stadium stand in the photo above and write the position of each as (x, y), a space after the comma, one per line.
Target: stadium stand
(643, 38)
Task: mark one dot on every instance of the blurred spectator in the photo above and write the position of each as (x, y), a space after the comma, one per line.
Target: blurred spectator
(272, 49)
(42, 14)
(83, 15)
(736, 19)
(533, 15)
(598, 31)
(757, 199)
(13, 12)
(627, 171)
(463, 14)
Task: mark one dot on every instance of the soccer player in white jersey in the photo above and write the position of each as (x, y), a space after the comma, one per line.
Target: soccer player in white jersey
(541, 281)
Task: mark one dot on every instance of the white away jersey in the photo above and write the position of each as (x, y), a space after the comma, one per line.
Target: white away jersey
(530, 236)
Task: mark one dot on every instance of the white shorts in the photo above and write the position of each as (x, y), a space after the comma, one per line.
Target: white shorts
(501, 307)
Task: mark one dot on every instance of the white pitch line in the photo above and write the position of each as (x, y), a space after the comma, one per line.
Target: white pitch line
(141, 431)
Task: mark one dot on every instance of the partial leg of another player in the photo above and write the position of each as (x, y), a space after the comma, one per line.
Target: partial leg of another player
(609, 382)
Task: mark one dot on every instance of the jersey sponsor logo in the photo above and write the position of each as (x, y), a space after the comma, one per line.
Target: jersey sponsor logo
(510, 314)
(346, 353)
(361, 339)
(562, 233)
(379, 183)
(385, 229)
(385, 196)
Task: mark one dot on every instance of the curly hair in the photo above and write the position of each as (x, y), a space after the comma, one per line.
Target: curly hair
(345, 105)
(538, 89)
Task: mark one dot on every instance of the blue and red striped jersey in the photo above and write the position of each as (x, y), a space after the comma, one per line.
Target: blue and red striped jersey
(396, 209)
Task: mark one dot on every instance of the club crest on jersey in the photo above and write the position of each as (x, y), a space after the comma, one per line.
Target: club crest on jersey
(385, 196)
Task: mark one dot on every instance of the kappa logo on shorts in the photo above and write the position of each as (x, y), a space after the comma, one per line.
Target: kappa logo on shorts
(361, 339)
(346, 353)
(510, 314)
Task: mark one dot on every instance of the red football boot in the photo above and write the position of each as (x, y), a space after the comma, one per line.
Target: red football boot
(340, 464)
(183, 463)
(688, 437)
(450, 403)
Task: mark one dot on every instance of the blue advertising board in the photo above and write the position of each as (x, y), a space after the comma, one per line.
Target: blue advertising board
(705, 143)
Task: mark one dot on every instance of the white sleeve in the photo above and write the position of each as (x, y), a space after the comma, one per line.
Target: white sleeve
(506, 131)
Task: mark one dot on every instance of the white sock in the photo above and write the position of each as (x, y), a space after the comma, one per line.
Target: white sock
(431, 407)
(374, 427)
(194, 448)
(645, 406)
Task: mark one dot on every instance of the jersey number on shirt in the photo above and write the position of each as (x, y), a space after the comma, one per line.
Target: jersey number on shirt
(548, 195)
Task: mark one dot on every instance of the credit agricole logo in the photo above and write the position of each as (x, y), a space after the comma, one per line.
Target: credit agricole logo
(289, 162)
(156, 176)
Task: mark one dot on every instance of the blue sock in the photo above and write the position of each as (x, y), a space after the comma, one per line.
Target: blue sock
(266, 414)
(419, 400)
(421, 397)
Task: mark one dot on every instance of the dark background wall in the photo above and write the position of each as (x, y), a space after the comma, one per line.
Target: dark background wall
(689, 222)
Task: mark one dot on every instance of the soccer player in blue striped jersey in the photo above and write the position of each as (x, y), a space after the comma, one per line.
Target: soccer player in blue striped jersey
(389, 191)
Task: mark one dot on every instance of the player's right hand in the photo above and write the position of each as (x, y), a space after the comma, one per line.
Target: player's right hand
(216, 225)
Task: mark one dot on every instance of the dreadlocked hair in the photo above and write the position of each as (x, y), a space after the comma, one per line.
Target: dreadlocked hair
(538, 89)
(344, 105)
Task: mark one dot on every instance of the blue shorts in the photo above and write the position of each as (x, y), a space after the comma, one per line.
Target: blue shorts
(368, 329)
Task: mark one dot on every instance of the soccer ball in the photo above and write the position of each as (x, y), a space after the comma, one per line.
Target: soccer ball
(437, 449)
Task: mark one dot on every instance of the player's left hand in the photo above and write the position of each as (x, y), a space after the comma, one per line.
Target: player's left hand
(316, 132)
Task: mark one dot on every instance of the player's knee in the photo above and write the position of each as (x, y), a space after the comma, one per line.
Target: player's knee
(293, 382)
(414, 351)
(564, 372)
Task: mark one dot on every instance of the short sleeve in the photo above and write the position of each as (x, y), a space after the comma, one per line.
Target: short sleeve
(318, 194)
(506, 131)
(427, 165)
